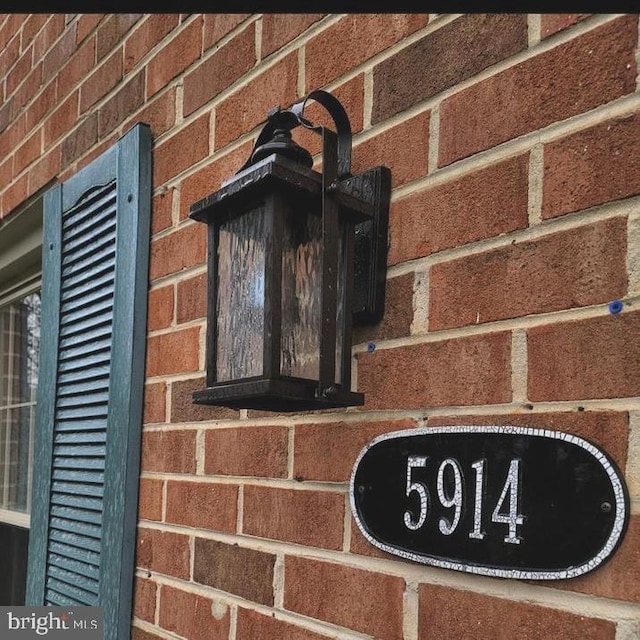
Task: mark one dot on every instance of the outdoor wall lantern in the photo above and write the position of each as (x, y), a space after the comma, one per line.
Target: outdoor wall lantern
(295, 256)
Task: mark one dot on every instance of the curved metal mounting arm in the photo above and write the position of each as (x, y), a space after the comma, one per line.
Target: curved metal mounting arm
(341, 120)
(278, 119)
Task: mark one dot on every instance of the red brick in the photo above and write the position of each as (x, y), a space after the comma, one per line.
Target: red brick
(5, 114)
(181, 151)
(311, 518)
(101, 81)
(147, 34)
(155, 395)
(325, 591)
(183, 248)
(210, 178)
(247, 451)
(58, 55)
(174, 57)
(61, 120)
(139, 634)
(19, 72)
(13, 136)
(248, 107)
(87, 22)
(150, 499)
(594, 166)
(404, 148)
(244, 572)
(144, 599)
(552, 23)
(607, 429)
(176, 352)
(15, 194)
(203, 505)
(563, 270)
(218, 25)
(572, 78)
(10, 54)
(593, 358)
(398, 314)
(48, 35)
(452, 54)
(45, 101)
(183, 409)
(220, 71)
(617, 577)
(161, 211)
(361, 546)
(44, 170)
(31, 27)
(353, 40)
(159, 113)
(458, 371)
(6, 170)
(191, 297)
(163, 552)
(160, 315)
(169, 451)
(27, 152)
(252, 625)
(448, 613)
(327, 451)
(192, 616)
(278, 29)
(125, 101)
(482, 204)
(80, 140)
(112, 30)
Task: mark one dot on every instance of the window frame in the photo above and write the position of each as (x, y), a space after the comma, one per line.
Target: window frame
(21, 275)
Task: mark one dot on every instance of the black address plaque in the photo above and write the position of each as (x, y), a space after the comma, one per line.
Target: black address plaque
(513, 502)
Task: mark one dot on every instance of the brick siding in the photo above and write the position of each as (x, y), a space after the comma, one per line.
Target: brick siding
(514, 146)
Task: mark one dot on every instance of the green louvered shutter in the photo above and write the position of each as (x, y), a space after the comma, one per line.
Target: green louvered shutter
(89, 416)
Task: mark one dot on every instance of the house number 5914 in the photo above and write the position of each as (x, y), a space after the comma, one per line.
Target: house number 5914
(505, 511)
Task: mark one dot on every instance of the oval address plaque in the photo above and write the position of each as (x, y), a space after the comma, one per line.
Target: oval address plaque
(513, 502)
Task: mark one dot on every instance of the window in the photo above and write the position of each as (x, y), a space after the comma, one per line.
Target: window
(19, 351)
(20, 251)
(90, 384)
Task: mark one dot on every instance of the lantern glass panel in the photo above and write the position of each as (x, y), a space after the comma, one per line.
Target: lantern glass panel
(240, 297)
(301, 297)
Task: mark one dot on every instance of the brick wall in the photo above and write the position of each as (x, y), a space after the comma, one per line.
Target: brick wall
(514, 146)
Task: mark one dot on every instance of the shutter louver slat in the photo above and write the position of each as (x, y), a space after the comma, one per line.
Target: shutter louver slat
(89, 397)
(88, 206)
(81, 515)
(97, 227)
(61, 592)
(103, 254)
(59, 600)
(93, 505)
(81, 568)
(73, 283)
(81, 332)
(70, 578)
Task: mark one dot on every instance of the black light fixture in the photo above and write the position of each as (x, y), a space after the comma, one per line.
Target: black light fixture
(295, 256)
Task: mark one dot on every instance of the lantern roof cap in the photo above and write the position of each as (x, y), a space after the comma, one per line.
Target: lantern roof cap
(287, 174)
